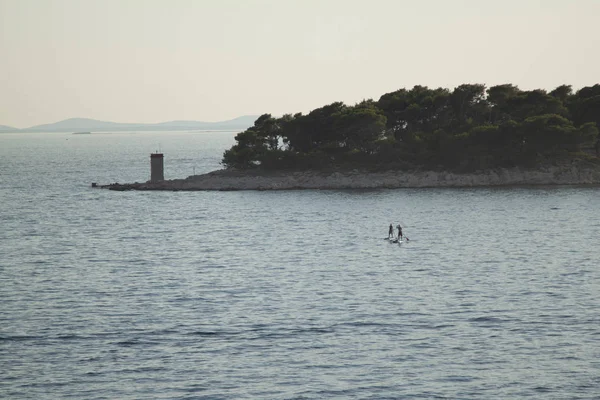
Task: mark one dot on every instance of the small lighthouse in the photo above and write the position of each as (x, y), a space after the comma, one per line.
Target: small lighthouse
(156, 167)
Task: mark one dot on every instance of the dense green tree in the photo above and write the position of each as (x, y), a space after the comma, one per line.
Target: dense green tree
(498, 97)
(306, 132)
(469, 103)
(585, 105)
(549, 134)
(532, 103)
(359, 127)
(269, 129)
(415, 110)
(464, 129)
(563, 93)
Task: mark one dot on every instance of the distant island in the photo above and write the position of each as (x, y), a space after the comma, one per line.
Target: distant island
(76, 125)
(7, 129)
(469, 136)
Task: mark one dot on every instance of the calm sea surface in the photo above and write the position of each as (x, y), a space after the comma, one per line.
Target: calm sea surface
(284, 295)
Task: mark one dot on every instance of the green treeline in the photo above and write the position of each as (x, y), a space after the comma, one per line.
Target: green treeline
(468, 128)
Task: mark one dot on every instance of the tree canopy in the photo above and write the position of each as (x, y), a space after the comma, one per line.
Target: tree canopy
(467, 128)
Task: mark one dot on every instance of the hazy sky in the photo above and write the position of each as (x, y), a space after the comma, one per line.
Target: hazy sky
(212, 60)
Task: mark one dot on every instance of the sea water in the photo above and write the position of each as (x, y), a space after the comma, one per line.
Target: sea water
(495, 293)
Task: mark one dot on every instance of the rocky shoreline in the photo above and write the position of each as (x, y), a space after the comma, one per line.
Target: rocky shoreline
(253, 180)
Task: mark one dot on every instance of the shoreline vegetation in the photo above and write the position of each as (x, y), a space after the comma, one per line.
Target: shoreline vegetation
(422, 137)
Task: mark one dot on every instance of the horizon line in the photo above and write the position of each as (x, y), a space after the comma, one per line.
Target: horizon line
(132, 123)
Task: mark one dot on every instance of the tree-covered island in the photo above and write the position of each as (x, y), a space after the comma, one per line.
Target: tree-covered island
(470, 128)
(470, 136)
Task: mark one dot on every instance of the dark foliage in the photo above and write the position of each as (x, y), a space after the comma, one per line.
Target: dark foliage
(468, 128)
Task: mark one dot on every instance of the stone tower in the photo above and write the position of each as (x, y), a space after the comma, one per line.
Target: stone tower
(156, 167)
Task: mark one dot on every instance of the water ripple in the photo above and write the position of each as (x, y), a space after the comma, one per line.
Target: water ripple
(287, 295)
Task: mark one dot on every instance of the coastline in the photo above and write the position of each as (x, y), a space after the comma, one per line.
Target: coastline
(225, 180)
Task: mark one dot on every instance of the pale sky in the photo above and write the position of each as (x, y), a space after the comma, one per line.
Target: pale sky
(212, 60)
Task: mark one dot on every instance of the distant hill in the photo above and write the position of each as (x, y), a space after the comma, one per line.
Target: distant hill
(4, 128)
(92, 125)
(236, 123)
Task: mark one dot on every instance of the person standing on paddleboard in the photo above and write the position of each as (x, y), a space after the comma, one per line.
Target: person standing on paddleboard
(399, 232)
(391, 232)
